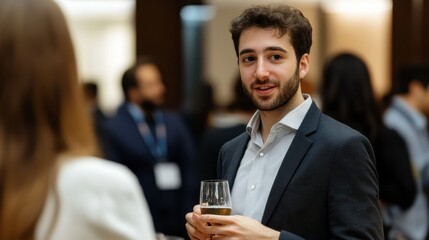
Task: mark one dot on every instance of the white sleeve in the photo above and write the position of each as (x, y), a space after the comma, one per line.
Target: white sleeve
(101, 200)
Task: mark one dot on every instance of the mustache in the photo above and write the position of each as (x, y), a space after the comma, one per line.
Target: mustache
(264, 82)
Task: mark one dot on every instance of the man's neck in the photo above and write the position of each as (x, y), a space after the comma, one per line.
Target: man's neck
(146, 112)
(269, 118)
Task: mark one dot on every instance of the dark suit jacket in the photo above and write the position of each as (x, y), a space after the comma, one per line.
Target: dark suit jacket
(124, 144)
(326, 187)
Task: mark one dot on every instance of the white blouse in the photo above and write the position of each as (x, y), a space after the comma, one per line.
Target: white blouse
(98, 199)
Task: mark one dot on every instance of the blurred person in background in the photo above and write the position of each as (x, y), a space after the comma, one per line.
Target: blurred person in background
(51, 185)
(98, 118)
(198, 119)
(347, 95)
(156, 145)
(406, 114)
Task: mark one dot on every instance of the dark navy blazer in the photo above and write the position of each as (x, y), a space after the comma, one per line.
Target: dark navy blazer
(326, 187)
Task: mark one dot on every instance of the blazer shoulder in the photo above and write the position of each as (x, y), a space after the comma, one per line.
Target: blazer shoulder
(332, 129)
(121, 117)
(319, 125)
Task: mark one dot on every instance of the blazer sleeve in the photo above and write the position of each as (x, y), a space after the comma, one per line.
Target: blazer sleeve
(101, 200)
(353, 192)
(284, 235)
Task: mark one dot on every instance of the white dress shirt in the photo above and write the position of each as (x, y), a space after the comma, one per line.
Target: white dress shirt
(261, 161)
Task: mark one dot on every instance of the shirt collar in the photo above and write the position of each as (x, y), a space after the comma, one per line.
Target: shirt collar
(292, 120)
(135, 112)
(417, 119)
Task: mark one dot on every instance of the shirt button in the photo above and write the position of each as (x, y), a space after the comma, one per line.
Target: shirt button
(261, 154)
(252, 187)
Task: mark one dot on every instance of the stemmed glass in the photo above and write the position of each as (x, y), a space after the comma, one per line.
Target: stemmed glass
(215, 197)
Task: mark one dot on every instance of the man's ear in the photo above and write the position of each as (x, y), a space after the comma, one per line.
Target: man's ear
(304, 65)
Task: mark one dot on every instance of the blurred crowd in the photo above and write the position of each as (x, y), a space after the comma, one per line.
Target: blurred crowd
(395, 124)
(145, 162)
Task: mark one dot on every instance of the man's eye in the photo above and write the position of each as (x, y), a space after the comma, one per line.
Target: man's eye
(248, 59)
(276, 57)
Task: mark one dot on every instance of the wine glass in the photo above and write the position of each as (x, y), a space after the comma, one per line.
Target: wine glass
(215, 197)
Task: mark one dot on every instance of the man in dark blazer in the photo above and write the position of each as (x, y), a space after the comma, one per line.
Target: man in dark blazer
(156, 146)
(295, 173)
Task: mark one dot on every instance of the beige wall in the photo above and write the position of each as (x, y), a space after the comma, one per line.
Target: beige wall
(104, 40)
(220, 61)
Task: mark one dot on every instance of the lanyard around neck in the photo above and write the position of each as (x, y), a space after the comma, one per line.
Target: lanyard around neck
(157, 144)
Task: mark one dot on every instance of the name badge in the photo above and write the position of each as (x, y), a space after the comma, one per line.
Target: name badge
(167, 176)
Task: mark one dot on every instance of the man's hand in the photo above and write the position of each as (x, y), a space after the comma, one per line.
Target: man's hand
(194, 226)
(226, 227)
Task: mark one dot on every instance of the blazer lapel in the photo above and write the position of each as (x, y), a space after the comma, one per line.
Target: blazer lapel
(236, 159)
(296, 153)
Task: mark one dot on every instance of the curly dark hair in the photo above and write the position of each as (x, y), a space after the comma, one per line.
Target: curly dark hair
(286, 19)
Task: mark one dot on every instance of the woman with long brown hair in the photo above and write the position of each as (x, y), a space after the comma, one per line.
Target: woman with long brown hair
(50, 185)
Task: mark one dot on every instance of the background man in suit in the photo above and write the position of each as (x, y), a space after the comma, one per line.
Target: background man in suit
(406, 115)
(156, 146)
(295, 173)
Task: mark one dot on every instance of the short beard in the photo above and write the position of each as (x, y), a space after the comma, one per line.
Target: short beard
(287, 91)
(148, 106)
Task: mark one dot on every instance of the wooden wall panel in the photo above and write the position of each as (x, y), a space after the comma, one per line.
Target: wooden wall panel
(159, 34)
(410, 33)
(425, 32)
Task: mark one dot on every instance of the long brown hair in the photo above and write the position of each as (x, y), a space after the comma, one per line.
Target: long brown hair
(348, 96)
(42, 111)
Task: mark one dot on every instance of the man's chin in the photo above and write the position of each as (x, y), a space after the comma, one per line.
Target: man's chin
(264, 104)
(266, 107)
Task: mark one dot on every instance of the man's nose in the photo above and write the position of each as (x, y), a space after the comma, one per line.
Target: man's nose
(262, 72)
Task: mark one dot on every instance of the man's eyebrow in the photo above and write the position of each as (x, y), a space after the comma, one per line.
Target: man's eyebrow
(273, 48)
(247, 50)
